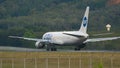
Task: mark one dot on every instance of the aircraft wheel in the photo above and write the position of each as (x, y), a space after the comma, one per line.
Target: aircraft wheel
(77, 49)
(48, 49)
(53, 49)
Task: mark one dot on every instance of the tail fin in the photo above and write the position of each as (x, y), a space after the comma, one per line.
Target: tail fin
(84, 24)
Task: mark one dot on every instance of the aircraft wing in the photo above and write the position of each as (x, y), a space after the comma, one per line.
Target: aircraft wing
(102, 34)
(32, 39)
(101, 39)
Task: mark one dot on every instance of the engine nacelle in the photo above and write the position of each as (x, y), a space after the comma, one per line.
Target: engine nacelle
(38, 44)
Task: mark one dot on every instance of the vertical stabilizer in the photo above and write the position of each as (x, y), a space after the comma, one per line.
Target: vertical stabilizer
(84, 24)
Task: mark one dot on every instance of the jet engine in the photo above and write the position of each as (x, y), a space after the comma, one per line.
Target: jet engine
(39, 45)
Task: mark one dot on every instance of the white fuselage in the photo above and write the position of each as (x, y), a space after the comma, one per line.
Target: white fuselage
(60, 38)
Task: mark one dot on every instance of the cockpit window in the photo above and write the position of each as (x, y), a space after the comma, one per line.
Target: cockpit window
(47, 36)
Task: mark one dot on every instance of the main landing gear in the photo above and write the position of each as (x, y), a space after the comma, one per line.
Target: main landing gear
(79, 47)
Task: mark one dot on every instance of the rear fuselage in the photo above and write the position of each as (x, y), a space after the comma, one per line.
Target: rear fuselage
(60, 38)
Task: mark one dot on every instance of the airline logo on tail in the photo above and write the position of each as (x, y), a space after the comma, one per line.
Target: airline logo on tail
(84, 24)
(85, 21)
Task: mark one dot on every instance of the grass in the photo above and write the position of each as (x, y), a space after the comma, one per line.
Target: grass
(77, 59)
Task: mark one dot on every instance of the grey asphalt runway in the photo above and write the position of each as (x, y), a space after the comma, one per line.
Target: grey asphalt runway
(2, 48)
(18, 49)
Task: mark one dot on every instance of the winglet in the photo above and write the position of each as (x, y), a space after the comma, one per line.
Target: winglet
(84, 24)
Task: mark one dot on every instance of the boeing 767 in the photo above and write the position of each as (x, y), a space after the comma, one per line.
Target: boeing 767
(76, 38)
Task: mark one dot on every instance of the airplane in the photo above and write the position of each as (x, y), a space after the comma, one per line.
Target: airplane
(76, 38)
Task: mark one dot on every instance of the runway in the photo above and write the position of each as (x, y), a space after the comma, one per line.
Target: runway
(19, 49)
